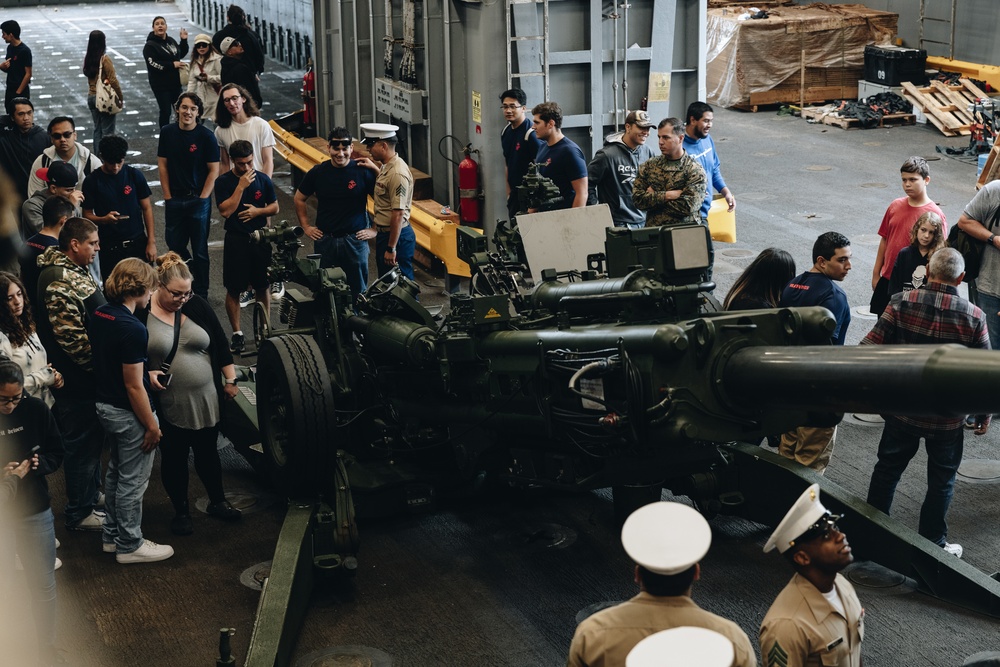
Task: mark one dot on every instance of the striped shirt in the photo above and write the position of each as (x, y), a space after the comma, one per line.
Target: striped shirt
(934, 315)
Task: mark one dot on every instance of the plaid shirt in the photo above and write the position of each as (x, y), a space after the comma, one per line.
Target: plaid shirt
(934, 315)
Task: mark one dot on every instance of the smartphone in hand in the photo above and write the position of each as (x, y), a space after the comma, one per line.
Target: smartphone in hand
(164, 379)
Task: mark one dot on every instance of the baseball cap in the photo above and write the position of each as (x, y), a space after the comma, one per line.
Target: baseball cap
(60, 174)
(640, 118)
(227, 43)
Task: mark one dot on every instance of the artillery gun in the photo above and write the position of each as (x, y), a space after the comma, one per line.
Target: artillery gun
(624, 376)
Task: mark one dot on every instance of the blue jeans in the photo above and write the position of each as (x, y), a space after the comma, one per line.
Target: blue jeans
(188, 220)
(127, 478)
(83, 439)
(35, 542)
(104, 123)
(405, 247)
(348, 253)
(944, 454)
(991, 305)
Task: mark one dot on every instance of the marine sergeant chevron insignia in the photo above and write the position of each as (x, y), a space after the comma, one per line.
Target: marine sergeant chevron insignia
(401, 190)
(777, 657)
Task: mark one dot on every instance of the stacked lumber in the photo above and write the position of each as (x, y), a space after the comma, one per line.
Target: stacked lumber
(811, 52)
(946, 106)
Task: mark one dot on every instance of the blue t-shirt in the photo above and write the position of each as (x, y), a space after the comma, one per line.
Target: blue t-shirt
(815, 289)
(520, 146)
(117, 192)
(188, 154)
(703, 150)
(562, 162)
(117, 337)
(260, 194)
(341, 196)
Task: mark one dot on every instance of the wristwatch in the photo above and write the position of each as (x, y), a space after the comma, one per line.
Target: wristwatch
(392, 250)
(990, 239)
(232, 381)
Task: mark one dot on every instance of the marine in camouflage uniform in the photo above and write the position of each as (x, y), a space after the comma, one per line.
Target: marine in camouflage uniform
(663, 175)
(67, 294)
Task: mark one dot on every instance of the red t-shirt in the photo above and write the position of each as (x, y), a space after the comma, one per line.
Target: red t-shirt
(896, 225)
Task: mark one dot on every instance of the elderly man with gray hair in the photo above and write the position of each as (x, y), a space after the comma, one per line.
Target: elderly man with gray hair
(932, 315)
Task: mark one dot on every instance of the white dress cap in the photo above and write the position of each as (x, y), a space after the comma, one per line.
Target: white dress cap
(683, 647)
(378, 131)
(806, 511)
(666, 538)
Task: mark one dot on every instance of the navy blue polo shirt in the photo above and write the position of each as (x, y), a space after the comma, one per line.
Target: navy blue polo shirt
(563, 162)
(117, 337)
(120, 192)
(259, 195)
(341, 196)
(188, 154)
(520, 146)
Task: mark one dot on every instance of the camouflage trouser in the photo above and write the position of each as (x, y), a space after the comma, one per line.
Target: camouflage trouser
(809, 445)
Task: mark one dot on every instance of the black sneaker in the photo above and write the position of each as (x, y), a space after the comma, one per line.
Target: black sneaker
(277, 290)
(223, 510)
(238, 342)
(181, 525)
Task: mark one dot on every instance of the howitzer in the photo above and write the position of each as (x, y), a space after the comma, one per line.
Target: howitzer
(634, 382)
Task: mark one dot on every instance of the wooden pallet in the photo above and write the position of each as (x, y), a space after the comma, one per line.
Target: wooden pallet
(946, 106)
(826, 116)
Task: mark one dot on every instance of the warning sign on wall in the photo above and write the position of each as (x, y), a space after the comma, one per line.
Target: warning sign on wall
(477, 107)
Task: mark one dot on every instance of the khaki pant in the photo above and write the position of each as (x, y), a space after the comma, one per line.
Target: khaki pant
(811, 446)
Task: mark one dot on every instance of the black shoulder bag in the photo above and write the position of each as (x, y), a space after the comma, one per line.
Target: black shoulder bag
(970, 248)
(169, 359)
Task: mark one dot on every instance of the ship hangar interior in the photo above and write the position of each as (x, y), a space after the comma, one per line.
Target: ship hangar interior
(505, 580)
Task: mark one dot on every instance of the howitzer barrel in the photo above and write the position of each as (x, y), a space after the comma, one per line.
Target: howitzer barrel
(915, 380)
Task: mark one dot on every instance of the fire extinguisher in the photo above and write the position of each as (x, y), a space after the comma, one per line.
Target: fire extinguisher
(309, 96)
(468, 188)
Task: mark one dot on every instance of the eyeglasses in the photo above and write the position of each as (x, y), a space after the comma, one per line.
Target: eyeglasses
(510, 107)
(345, 143)
(180, 296)
(232, 100)
(11, 400)
(63, 135)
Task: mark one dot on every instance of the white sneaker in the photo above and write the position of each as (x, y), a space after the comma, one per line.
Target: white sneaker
(58, 564)
(108, 547)
(93, 521)
(277, 290)
(149, 552)
(954, 549)
(100, 500)
(58, 543)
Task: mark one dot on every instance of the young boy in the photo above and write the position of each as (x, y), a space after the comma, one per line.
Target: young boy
(897, 223)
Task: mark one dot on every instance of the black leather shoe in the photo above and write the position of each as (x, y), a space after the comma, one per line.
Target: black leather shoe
(223, 510)
(181, 525)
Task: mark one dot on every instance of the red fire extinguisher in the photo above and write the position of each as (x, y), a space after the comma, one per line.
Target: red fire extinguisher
(468, 189)
(309, 96)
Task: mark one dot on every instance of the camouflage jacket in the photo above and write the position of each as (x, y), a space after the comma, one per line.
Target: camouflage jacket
(663, 174)
(64, 311)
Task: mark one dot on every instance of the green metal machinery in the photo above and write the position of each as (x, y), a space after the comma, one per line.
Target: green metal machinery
(625, 375)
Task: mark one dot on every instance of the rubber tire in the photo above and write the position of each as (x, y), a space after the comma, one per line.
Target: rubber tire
(295, 413)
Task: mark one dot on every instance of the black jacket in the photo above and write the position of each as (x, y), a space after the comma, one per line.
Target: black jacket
(236, 70)
(252, 50)
(31, 424)
(18, 151)
(160, 55)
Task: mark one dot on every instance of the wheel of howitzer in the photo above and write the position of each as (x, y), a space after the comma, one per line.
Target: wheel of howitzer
(261, 324)
(296, 414)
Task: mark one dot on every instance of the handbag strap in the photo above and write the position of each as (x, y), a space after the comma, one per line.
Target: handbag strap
(169, 359)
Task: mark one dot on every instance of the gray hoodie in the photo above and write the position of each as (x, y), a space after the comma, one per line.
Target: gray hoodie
(610, 177)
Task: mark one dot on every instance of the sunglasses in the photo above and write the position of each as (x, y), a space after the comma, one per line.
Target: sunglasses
(822, 529)
(336, 143)
(201, 45)
(63, 135)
